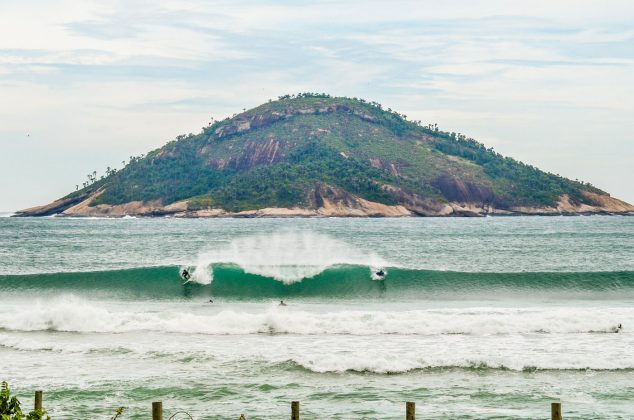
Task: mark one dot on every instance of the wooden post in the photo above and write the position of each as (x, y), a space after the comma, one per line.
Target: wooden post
(410, 410)
(157, 410)
(555, 411)
(295, 410)
(38, 400)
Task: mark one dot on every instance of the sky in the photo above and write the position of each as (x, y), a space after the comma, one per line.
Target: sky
(84, 85)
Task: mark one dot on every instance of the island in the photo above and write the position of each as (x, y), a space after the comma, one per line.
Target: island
(313, 155)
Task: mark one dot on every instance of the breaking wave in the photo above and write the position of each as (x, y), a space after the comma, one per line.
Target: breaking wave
(72, 314)
(233, 281)
(357, 341)
(288, 257)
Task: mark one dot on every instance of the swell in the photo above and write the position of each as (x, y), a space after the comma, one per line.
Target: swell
(343, 281)
(135, 283)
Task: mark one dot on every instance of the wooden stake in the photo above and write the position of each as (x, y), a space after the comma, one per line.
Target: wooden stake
(157, 410)
(410, 411)
(38, 400)
(555, 411)
(295, 410)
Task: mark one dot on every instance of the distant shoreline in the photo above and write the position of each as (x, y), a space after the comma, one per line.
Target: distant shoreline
(314, 216)
(343, 205)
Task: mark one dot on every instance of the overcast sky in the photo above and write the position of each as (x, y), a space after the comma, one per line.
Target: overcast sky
(84, 85)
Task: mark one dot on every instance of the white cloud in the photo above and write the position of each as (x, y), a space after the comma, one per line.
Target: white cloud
(112, 79)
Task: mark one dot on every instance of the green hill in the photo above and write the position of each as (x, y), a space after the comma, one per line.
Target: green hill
(323, 155)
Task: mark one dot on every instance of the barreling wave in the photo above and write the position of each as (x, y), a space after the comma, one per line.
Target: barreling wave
(289, 257)
(340, 281)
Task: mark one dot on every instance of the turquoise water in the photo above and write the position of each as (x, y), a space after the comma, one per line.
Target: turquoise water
(476, 318)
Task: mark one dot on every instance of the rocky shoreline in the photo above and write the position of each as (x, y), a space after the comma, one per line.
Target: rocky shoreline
(326, 202)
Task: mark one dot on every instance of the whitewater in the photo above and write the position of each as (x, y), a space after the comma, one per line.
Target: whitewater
(476, 318)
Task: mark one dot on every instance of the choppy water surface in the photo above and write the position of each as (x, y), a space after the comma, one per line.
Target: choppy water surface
(476, 318)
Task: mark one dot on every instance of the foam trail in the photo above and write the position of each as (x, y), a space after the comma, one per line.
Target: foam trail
(287, 257)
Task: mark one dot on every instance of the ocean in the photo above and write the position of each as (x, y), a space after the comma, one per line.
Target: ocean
(492, 317)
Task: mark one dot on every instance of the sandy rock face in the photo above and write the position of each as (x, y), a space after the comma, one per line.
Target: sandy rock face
(329, 201)
(609, 204)
(55, 207)
(257, 153)
(243, 123)
(602, 204)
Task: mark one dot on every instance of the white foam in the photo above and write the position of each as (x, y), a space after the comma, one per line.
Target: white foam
(502, 353)
(336, 340)
(288, 257)
(83, 217)
(73, 314)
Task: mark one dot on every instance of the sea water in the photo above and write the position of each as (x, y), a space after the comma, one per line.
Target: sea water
(476, 318)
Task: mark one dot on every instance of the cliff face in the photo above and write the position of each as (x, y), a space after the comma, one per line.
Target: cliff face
(312, 156)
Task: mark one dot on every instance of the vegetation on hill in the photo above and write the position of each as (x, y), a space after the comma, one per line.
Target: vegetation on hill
(273, 155)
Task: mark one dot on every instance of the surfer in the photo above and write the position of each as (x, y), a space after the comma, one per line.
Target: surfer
(380, 273)
(282, 303)
(616, 329)
(211, 301)
(185, 274)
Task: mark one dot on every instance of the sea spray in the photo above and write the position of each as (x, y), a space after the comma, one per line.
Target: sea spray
(288, 257)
